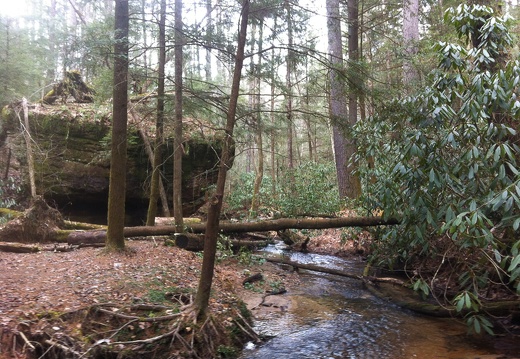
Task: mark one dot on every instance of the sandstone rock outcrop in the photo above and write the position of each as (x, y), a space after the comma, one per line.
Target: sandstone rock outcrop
(72, 158)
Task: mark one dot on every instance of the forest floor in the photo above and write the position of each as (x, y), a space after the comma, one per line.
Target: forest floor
(40, 290)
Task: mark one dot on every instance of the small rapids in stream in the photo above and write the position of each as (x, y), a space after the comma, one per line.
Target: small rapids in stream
(335, 317)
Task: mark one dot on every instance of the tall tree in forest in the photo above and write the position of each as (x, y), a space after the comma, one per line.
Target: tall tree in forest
(251, 123)
(209, 33)
(257, 116)
(410, 38)
(52, 47)
(289, 86)
(177, 124)
(18, 73)
(117, 186)
(337, 96)
(354, 184)
(215, 204)
(159, 123)
(272, 118)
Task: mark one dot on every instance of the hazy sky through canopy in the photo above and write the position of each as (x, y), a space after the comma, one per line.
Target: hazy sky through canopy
(13, 8)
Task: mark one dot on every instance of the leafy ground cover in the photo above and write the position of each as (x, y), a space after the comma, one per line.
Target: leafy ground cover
(88, 300)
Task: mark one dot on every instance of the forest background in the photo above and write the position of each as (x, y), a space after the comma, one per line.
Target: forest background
(396, 108)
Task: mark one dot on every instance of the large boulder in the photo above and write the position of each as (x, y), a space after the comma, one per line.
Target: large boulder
(71, 145)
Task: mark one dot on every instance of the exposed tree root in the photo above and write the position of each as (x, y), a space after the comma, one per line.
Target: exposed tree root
(137, 331)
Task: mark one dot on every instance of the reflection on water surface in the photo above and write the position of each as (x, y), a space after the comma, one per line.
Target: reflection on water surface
(335, 317)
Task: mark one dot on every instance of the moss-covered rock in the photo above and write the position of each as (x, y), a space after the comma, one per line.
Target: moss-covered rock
(72, 158)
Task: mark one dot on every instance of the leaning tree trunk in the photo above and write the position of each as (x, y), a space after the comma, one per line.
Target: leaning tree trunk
(215, 204)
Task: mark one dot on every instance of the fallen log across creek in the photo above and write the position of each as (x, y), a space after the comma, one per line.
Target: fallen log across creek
(191, 242)
(339, 272)
(97, 235)
(268, 225)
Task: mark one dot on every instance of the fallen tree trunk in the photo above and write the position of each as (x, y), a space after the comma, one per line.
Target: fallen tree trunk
(395, 291)
(412, 302)
(339, 272)
(63, 235)
(195, 242)
(33, 248)
(87, 237)
(71, 225)
(265, 226)
(18, 248)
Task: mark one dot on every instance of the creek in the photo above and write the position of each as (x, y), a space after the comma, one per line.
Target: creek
(335, 317)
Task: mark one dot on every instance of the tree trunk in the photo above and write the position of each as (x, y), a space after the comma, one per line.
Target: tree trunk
(87, 237)
(18, 247)
(144, 34)
(266, 226)
(362, 81)
(90, 232)
(259, 170)
(259, 128)
(337, 97)
(307, 117)
(288, 83)
(177, 140)
(117, 185)
(209, 34)
(273, 126)
(156, 182)
(215, 205)
(194, 242)
(28, 142)
(410, 38)
(151, 155)
(354, 183)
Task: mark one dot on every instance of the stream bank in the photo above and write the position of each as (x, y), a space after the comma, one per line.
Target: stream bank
(326, 316)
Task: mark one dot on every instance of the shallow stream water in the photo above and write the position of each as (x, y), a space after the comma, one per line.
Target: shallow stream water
(336, 317)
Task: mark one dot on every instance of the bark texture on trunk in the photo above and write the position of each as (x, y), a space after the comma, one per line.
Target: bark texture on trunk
(215, 206)
(410, 39)
(156, 183)
(354, 183)
(195, 242)
(337, 96)
(117, 186)
(177, 140)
